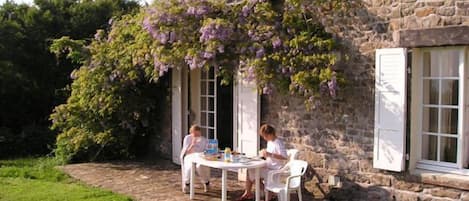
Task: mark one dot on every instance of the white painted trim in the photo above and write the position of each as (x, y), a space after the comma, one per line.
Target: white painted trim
(440, 134)
(461, 102)
(416, 161)
(465, 111)
(240, 123)
(437, 164)
(390, 109)
(176, 114)
(235, 112)
(441, 78)
(442, 169)
(415, 123)
(441, 106)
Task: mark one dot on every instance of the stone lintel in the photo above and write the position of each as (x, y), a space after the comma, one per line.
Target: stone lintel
(432, 37)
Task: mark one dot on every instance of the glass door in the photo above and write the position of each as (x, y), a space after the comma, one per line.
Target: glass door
(208, 103)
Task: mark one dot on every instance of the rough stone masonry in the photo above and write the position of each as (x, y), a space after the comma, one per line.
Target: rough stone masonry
(336, 137)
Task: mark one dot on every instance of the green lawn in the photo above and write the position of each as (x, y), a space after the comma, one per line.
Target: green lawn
(36, 179)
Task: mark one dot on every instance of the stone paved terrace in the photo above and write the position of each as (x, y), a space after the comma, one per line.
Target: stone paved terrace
(151, 181)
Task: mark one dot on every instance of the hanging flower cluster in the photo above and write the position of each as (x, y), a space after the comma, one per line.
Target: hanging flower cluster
(278, 45)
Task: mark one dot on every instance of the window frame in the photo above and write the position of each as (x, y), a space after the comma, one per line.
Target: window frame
(416, 161)
(208, 77)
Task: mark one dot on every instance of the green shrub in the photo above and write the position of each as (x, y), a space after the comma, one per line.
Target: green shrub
(32, 80)
(112, 101)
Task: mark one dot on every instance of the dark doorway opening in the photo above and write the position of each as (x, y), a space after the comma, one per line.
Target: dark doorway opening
(224, 115)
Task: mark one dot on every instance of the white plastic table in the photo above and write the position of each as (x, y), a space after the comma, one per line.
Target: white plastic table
(225, 166)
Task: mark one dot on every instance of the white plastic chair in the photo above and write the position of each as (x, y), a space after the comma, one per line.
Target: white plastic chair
(292, 154)
(296, 169)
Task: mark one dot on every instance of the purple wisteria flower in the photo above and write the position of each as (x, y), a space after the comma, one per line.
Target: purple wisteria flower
(252, 49)
(113, 76)
(276, 42)
(215, 31)
(267, 89)
(253, 35)
(99, 35)
(194, 62)
(162, 37)
(198, 11)
(332, 86)
(209, 55)
(242, 50)
(148, 25)
(221, 48)
(250, 74)
(246, 10)
(191, 10)
(73, 75)
(260, 53)
(167, 18)
(285, 71)
(249, 71)
(160, 66)
(111, 20)
(255, 1)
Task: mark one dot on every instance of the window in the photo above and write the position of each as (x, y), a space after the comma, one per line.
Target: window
(441, 76)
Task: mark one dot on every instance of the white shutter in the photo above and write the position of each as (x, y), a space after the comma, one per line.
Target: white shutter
(390, 109)
(247, 118)
(176, 117)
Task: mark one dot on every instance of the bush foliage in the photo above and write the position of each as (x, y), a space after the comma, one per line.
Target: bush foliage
(32, 80)
(112, 101)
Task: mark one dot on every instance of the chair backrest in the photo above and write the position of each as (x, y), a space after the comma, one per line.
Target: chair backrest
(297, 167)
(292, 154)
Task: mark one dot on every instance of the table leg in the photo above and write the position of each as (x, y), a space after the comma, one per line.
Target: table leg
(191, 196)
(258, 185)
(223, 184)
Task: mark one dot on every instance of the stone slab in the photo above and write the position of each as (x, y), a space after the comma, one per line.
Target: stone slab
(431, 37)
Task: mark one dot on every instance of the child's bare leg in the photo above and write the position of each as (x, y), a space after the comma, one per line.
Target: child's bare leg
(247, 187)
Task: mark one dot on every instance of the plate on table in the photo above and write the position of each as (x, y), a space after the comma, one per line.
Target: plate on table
(256, 158)
(244, 160)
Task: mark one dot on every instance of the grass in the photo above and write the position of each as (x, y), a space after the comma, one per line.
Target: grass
(37, 179)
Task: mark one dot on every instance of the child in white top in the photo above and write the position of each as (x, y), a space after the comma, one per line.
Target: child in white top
(275, 154)
(193, 143)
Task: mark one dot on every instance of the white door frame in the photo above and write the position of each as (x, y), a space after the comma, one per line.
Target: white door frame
(179, 112)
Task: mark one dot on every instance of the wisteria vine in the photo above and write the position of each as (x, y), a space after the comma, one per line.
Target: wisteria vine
(277, 44)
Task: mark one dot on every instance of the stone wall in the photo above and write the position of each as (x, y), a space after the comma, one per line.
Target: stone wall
(336, 137)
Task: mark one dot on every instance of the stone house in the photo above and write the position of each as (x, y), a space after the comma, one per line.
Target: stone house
(399, 129)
